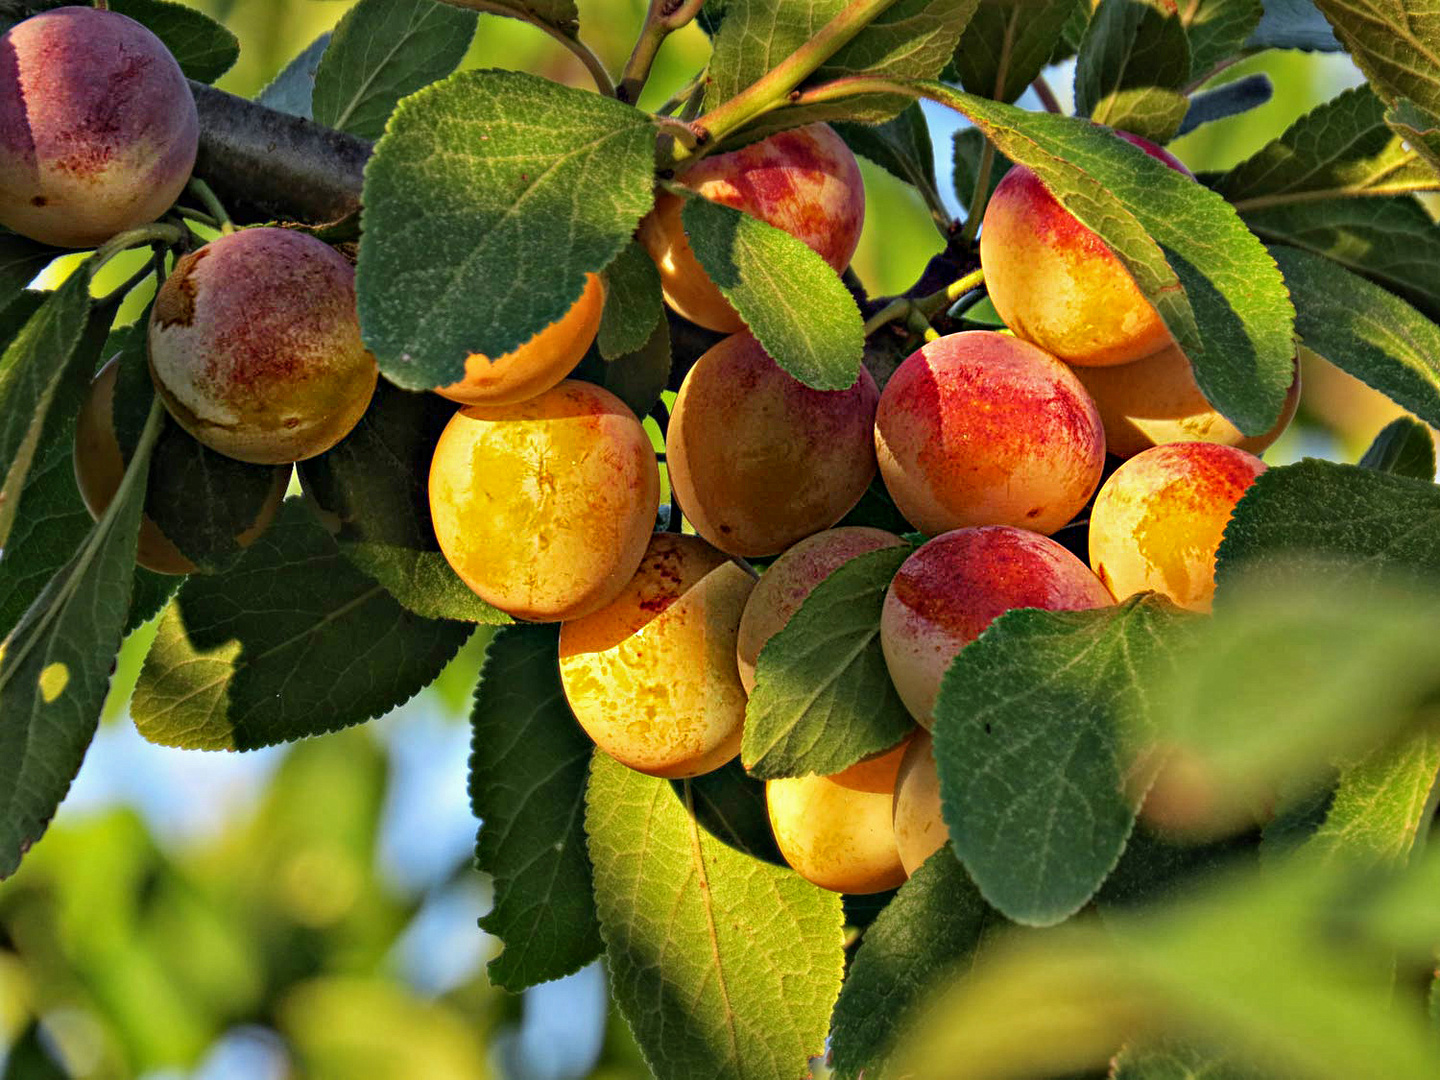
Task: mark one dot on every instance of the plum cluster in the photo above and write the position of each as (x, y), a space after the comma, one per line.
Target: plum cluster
(253, 339)
(544, 492)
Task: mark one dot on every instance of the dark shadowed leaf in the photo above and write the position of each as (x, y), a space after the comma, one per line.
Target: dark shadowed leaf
(730, 805)
(1404, 447)
(637, 378)
(1133, 60)
(633, 304)
(900, 146)
(204, 49)
(1218, 29)
(1007, 44)
(529, 762)
(292, 91)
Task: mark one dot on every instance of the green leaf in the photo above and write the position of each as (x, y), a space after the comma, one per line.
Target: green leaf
(823, 697)
(382, 51)
(151, 593)
(55, 669)
(1133, 61)
(293, 90)
(1156, 868)
(1007, 44)
(1293, 24)
(1230, 99)
(1383, 804)
(637, 378)
(1404, 448)
(1339, 149)
(1390, 240)
(20, 261)
(204, 49)
(1233, 317)
(935, 922)
(633, 304)
(901, 146)
(723, 966)
(1218, 29)
(372, 491)
(32, 367)
(731, 807)
(1393, 43)
(30, 1057)
(293, 641)
(529, 761)
(1028, 744)
(490, 197)
(793, 302)
(969, 147)
(1419, 127)
(1172, 1059)
(1365, 330)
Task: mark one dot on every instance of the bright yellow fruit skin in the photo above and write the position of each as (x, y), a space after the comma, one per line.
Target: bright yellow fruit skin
(651, 676)
(538, 364)
(1159, 518)
(920, 830)
(544, 507)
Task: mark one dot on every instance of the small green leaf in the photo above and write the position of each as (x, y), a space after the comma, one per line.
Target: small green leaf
(483, 171)
(935, 922)
(422, 581)
(1404, 448)
(293, 90)
(1028, 744)
(529, 762)
(633, 304)
(1341, 148)
(1231, 99)
(793, 302)
(1390, 240)
(1156, 868)
(636, 378)
(293, 641)
(204, 49)
(382, 51)
(725, 967)
(823, 697)
(1293, 24)
(1419, 127)
(1393, 43)
(1133, 61)
(151, 593)
(1218, 29)
(55, 669)
(1365, 330)
(1007, 44)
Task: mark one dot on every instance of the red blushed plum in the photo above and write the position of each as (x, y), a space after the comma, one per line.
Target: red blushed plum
(1156, 400)
(980, 428)
(920, 829)
(255, 346)
(98, 128)
(791, 578)
(1159, 519)
(952, 588)
(651, 676)
(538, 364)
(835, 831)
(1057, 284)
(544, 507)
(804, 181)
(757, 459)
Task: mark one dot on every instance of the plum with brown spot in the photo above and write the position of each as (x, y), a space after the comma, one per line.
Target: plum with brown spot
(757, 459)
(538, 364)
(651, 676)
(544, 507)
(1055, 282)
(1156, 400)
(98, 128)
(836, 831)
(946, 594)
(255, 346)
(804, 181)
(980, 428)
(1158, 520)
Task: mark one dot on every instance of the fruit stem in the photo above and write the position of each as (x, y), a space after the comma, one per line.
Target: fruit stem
(201, 191)
(981, 195)
(158, 233)
(662, 19)
(773, 89)
(582, 52)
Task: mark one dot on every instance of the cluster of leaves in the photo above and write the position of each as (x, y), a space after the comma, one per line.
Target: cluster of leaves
(1309, 688)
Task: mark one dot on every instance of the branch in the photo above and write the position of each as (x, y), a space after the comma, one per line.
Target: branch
(582, 52)
(662, 19)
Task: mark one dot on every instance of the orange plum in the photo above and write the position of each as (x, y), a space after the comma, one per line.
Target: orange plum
(757, 459)
(650, 676)
(950, 590)
(539, 363)
(1159, 518)
(790, 579)
(544, 507)
(1055, 282)
(804, 181)
(980, 428)
(920, 830)
(255, 346)
(98, 128)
